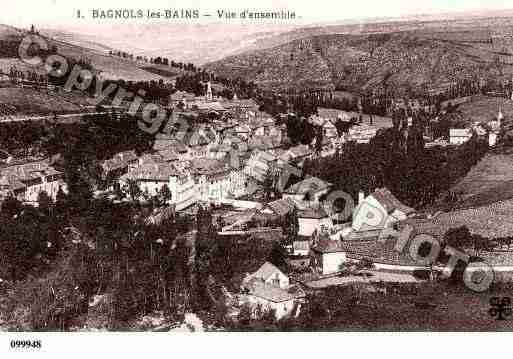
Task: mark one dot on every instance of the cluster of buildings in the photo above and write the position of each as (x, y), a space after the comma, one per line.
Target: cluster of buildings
(218, 160)
(322, 248)
(27, 181)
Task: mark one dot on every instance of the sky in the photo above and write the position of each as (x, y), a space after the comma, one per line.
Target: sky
(58, 13)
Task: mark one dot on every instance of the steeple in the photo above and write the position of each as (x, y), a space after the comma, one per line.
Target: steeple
(235, 98)
(209, 91)
(500, 117)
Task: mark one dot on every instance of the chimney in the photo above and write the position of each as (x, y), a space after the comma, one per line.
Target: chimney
(361, 196)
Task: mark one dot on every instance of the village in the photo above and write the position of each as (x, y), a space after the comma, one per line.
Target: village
(241, 166)
(238, 208)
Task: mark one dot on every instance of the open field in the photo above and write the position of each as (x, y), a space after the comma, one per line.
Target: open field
(485, 108)
(26, 101)
(454, 309)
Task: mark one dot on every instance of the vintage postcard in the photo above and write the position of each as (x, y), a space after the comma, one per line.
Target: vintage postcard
(249, 166)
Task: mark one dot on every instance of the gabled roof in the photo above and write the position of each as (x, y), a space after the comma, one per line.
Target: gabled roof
(308, 185)
(299, 151)
(127, 156)
(390, 202)
(153, 172)
(281, 206)
(266, 271)
(263, 143)
(180, 95)
(328, 246)
(168, 155)
(312, 213)
(275, 294)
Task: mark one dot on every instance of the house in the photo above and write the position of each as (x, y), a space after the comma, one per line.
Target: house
(329, 130)
(264, 143)
(296, 155)
(241, 130)
(313, 219)
(152, 177)
(309, 190)
(27, 181)
(216, 180)
(173, 142)
(241, 107)
(199, 143)
(331, 114)
(379, 210)
(208, 106)
(128, 157)
(269, 289)
(301, 248)
(168, 155)
(362, 133)
(458, 136)
(262, 124)
(119, 164)
(327, 256)
(181, 98)
(237, 221)
(283, 302)
(269, 274)
(258, 164)
(280, 207)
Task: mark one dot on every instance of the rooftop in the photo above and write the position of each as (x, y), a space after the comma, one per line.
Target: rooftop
(275, 294)
(281, 206)
(308, 185)
(390, 202)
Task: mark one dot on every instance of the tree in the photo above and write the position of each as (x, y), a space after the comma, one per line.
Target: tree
(10, 206)
(60, 198)
(165, 193)
(480, 243)
(459, 237)
(291, 226)
(132, 189)
(44, 202)
(269, 184)
(319, 137)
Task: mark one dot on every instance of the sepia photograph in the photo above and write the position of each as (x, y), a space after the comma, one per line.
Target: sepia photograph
(244, 166)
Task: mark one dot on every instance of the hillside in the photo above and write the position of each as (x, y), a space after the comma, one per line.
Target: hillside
(112, 67)
(397, 61)
(26, 101)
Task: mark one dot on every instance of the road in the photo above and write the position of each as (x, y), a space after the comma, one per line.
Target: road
(48, 117)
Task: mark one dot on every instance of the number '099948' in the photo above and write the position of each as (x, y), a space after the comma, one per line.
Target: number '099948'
(26, 344)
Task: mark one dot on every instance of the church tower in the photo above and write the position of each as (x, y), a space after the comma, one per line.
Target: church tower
(209, 92)
(500, 117)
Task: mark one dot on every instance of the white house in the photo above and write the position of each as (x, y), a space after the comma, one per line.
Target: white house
(381, 209)
(269, 274)
(28, 180)
(269, 289)
(312, 219)
(327, 256)
(151, 178)
(217, 181)
(458, 136)
(280, 207)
